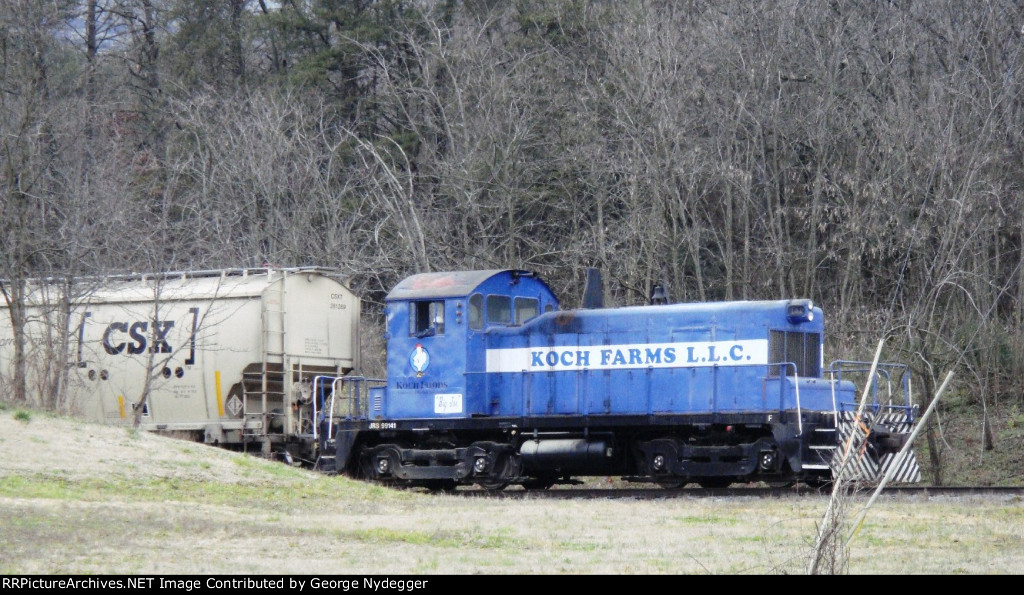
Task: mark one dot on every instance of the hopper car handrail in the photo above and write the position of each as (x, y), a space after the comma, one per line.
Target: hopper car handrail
(197, 274)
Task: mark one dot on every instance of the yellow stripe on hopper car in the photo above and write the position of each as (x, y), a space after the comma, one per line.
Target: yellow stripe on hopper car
(220, 397)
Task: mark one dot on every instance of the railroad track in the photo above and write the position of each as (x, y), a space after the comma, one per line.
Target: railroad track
(643, 493)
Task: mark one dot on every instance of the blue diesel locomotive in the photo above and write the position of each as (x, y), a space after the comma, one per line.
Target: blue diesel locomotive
(489, 382)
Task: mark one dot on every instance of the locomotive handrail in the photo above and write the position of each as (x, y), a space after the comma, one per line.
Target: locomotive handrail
(318, 395)
(834, 374)
(796, 393)
(833, 383)
(334, 399)
(358, 399)
(885, 370)
(883, 373)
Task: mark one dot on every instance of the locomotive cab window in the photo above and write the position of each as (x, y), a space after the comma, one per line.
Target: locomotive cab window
(476, 311)
(526, 308)
(499, 309)
(426, 318)
(801, 349)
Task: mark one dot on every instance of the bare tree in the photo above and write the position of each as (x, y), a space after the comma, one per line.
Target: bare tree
(30, 145)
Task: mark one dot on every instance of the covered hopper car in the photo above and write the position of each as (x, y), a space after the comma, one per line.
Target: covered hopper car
(226, 357)
(490, 382)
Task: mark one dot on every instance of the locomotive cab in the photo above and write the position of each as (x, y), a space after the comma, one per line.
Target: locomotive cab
(437, 325)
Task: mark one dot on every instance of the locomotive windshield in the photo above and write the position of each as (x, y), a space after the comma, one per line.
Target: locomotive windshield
(499, 309)
(526, 308)
(502, 309)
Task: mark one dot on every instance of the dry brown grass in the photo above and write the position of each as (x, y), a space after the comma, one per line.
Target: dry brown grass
(81, 498)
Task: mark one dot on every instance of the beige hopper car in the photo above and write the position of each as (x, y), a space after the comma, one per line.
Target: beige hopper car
(226, 356)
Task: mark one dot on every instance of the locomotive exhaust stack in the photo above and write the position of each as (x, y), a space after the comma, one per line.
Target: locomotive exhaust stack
(593, 293)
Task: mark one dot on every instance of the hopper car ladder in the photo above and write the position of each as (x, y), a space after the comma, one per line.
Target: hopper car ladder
(269, 384)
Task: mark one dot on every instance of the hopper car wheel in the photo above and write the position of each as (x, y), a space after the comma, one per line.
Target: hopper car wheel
(493, 486)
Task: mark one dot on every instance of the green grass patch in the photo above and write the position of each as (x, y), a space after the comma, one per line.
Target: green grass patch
(576, 545)
(388, 535)
(748, 539)
(715, 520)
(22, 416)
(264, 467)
(1015, 419)
(263, 494)
(438, 539)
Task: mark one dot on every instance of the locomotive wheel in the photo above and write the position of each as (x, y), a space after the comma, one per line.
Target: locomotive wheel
(505, 468)
(364, 469)
(539, 483)
(818, 483)
(440, 485)
(711, 483)
(493, 486)
(671, 484)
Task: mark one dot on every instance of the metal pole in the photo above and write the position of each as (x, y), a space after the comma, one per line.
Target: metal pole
(856, 419)
(899, 456)
(838, 481)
